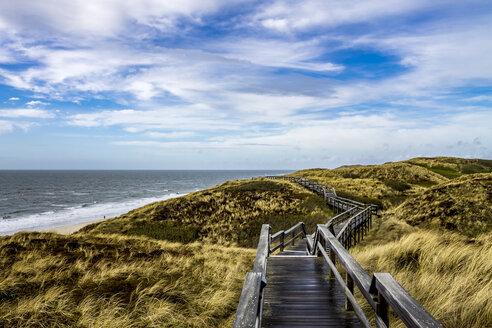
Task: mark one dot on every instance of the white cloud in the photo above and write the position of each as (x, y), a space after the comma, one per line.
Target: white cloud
(9, 126)
(289, 16)
(26, 112)
(278, 53)
(34, 103)
(170, 135)
(182, 118)
(369, 138)
(101, 19)
(14, 98)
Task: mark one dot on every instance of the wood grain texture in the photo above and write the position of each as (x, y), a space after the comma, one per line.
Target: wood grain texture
(298, 294)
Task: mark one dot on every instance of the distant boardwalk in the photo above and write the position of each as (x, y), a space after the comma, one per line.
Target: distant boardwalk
(289, 285)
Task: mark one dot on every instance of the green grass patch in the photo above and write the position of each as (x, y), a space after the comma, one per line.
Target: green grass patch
(485, 162)
(445, 171)
(256, 186)
(397, 185)
(163, 230)
(440, 169)
(474, 168)
(350, 175)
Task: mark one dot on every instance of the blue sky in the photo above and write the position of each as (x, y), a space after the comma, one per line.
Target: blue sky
(216, 84)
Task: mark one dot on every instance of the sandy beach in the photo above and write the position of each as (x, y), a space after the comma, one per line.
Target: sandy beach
(68, 229)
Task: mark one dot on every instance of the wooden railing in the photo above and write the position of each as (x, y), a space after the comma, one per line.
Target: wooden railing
(297, 231)
(381, 291)
(250, 306)
(354, 229)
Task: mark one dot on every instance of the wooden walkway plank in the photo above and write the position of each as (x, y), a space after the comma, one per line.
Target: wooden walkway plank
(300, 294)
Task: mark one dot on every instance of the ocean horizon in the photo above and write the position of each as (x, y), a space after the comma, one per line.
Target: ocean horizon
(45, 199)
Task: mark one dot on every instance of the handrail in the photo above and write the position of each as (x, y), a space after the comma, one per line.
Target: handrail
(353, 227)
(390, 292)
(382, 287)
(281, 235)
(262, 252)
(339, 217)
(248, 314)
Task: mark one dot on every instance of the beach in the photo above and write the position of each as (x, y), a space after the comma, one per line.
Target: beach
(69, 229)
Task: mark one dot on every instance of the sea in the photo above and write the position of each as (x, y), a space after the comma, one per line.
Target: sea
(44, 199)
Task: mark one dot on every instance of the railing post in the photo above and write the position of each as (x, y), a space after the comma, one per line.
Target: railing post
(359, 229)
(382, 309)
(350, 286)
(282, 237)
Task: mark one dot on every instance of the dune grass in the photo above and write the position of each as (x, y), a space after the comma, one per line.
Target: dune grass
(462, 205)
(385, 185)
(49, 280)
(449, 274)
(228, 214)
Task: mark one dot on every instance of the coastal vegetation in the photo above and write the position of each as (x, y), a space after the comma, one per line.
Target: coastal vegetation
(229, 214)
(182, 262)
(50, 280)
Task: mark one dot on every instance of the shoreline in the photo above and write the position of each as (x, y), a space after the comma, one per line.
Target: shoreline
(71, 228)
(67, 228)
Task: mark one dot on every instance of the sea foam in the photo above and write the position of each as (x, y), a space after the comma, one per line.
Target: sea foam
(74, 214)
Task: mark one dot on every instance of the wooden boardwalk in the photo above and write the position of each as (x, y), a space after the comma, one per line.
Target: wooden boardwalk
(300, 293)
(294, 287)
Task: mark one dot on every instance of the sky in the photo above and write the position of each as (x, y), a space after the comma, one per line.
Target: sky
(233, 84)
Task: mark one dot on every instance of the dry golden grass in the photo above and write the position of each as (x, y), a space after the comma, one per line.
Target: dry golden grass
(386, 185)
(453, 167)
(463, 205)
(449, 274)
(49, 280)
(229, 214)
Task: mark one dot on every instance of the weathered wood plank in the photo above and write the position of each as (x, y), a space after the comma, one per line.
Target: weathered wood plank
(299, 295)
(247, 309)
(263, 249)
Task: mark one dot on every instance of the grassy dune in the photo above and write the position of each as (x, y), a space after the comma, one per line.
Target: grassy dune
(228, 214)
(49, 280)
(449, 274)
(452, 167)
(385, 185)
(462, 205)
